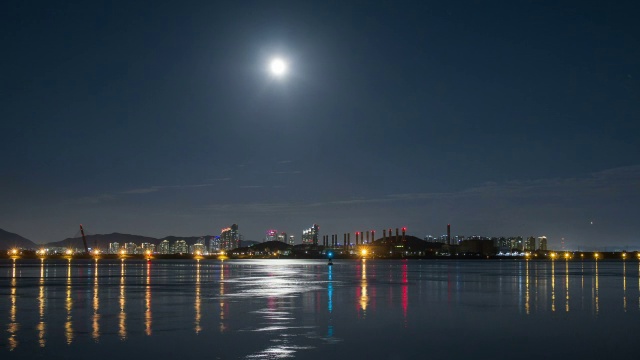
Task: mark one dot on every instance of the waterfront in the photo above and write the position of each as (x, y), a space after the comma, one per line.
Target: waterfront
(267, 309)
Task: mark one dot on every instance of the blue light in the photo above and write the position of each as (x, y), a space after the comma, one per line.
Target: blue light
(330, 254)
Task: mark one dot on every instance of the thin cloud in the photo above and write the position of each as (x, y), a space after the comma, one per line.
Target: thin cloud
(95, 199)
(619, 180)
(157, 188)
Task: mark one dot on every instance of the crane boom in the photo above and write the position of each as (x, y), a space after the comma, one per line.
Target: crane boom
(84, 240)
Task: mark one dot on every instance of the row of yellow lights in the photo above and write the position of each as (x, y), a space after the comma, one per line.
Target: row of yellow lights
(569, 255)
(69, 252)
(363, 252)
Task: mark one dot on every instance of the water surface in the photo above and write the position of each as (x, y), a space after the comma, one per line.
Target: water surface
(272, 309)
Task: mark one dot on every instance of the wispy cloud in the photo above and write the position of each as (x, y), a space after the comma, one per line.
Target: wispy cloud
(157, 188)
(597, 185)
(101, 198)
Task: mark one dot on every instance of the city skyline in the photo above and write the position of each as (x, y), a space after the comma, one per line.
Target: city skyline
(497, 118)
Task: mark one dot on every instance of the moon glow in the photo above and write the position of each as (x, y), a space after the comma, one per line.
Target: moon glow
(278, 67)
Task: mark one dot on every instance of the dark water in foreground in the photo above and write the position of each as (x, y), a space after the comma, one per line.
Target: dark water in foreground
(271, 309)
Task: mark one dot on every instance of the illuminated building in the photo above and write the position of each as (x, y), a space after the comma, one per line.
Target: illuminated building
(198, 248)
(214, 244)
(517, 243)
(504, 245)
(292, 240)
(530, 244)
(114, 248)
(164, 248)
(148, 247)
(542, 243)
(282, 237)
(180, 247)
(272, 235)
(310, 235)
(130, 248)
(229, 238)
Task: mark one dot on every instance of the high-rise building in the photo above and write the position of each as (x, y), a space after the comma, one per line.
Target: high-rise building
(229, 238)
(130, 248)
(530, 244)
(542, 243)
(310, 235)
(282, 237)
(180, 247)
(292, 240)
(114, 247)
(199, 248)
(164, 248)
(504, 245)
(272, 235)
(517, 243)
(214, 244)
(148, 247)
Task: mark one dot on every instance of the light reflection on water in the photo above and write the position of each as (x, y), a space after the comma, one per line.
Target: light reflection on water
(272, 309)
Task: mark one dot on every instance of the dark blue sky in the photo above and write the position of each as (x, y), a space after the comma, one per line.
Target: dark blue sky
(502, 118)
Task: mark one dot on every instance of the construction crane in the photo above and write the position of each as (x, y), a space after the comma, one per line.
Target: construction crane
(84, 240)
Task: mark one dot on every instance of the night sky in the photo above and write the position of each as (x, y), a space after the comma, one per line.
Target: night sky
(162, 118)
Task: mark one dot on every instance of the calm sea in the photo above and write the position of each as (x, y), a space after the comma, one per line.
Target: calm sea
(272, 309)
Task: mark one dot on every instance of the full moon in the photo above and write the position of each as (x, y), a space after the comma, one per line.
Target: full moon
(278, 67)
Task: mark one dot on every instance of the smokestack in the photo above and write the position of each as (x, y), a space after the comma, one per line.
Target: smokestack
(373, 235)
(349, 239)
(384, 235)
(367, 236)
(397, 234)
(344, 241)
(404, 230)
(449, 234)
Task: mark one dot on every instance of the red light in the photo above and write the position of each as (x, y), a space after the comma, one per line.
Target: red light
(404, 229)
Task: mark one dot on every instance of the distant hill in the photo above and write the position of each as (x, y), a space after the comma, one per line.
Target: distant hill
(9, 240)
(189, 239)
(102, 241)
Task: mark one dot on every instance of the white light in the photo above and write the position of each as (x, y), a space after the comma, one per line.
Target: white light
(278, 67)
